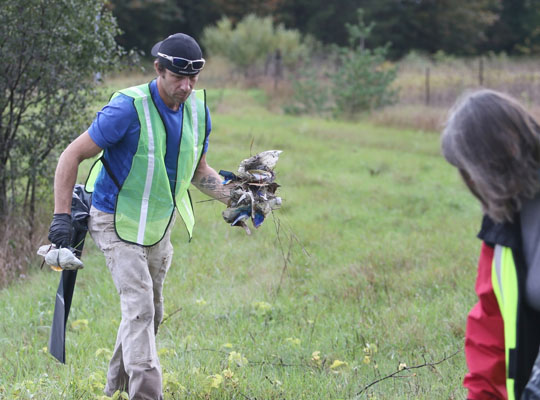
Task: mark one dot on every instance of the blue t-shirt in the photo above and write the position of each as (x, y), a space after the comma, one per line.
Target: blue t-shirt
(116, 129)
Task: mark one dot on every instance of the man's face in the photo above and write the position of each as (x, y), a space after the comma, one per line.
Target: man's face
(176, 88)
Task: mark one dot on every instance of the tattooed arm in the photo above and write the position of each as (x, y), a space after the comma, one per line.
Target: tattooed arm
(207, 180)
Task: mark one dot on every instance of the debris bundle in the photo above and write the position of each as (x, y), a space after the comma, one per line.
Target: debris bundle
(253, 195)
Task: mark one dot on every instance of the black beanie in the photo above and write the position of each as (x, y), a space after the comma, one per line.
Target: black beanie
(178, 45)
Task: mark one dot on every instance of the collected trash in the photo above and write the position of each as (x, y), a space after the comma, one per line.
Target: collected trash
(60, 259)
(254, 191)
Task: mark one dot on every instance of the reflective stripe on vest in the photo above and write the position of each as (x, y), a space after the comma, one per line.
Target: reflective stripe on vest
(505, 285)
(150, 168)
(145, 203)
(190, 153)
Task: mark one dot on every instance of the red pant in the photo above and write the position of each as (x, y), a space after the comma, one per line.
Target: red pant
(484, 338)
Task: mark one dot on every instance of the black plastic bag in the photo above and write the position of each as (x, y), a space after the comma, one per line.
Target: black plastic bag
(532, 390)
(80, 210)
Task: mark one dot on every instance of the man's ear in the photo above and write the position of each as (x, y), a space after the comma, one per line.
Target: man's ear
(156, 68)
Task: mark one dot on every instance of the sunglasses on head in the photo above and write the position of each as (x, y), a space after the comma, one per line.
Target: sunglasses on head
(184, 63)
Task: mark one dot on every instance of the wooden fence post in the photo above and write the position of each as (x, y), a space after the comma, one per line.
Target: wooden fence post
(278, 72)
(427, 87)
(481, 71)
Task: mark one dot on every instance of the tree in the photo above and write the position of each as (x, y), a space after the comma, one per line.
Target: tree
(322, 19)
(196, 15)
(517, 28)
(454, 26)
(49, 53)
(352, 79)
(145, 22)
(362, 81)
(248, 44)
(238, 9)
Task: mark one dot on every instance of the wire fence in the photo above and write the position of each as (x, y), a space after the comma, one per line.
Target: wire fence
(438, 84)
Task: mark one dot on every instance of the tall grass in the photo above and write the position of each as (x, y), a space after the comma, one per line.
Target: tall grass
(429, 86)
(450, 76)
(368, 268)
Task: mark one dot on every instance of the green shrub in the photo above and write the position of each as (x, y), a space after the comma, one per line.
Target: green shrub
(248, 45)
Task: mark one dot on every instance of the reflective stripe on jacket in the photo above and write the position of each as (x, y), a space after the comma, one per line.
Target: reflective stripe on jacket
(505, 285)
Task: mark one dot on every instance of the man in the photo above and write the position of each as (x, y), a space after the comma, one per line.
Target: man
(154, 137)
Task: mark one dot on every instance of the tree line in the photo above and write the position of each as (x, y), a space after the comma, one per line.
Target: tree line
(458, 27)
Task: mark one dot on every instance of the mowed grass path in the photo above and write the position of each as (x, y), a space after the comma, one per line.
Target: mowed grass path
(369, 264)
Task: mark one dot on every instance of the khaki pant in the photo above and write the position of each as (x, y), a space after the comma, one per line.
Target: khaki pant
(138, 274)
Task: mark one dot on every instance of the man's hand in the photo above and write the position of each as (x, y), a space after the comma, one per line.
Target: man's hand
(61, 230)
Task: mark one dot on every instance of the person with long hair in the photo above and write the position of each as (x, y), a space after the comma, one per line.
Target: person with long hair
(495, 145)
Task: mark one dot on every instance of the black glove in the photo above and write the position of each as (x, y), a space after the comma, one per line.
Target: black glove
(61, 230)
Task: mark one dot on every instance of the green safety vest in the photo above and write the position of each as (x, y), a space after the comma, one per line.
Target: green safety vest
(505, 285)
(145, 202)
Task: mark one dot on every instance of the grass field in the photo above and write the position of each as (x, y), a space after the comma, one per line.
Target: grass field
(367, 269)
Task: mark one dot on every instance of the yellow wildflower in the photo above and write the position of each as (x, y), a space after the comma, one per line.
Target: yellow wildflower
(337, 364)
(79, 324)
(227, 373)
(215, 381)
(370, 349)
(262, 308)
(165, 351)
(106, 352)
(237, 359)
(171, 384)
(294, 341)
(316, 357)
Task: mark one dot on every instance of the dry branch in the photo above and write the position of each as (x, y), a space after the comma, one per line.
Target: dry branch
(399, 371)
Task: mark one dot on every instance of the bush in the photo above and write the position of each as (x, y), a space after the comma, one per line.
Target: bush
(249, 44)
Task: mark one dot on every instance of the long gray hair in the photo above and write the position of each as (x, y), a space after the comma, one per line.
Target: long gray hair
(495, 144)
